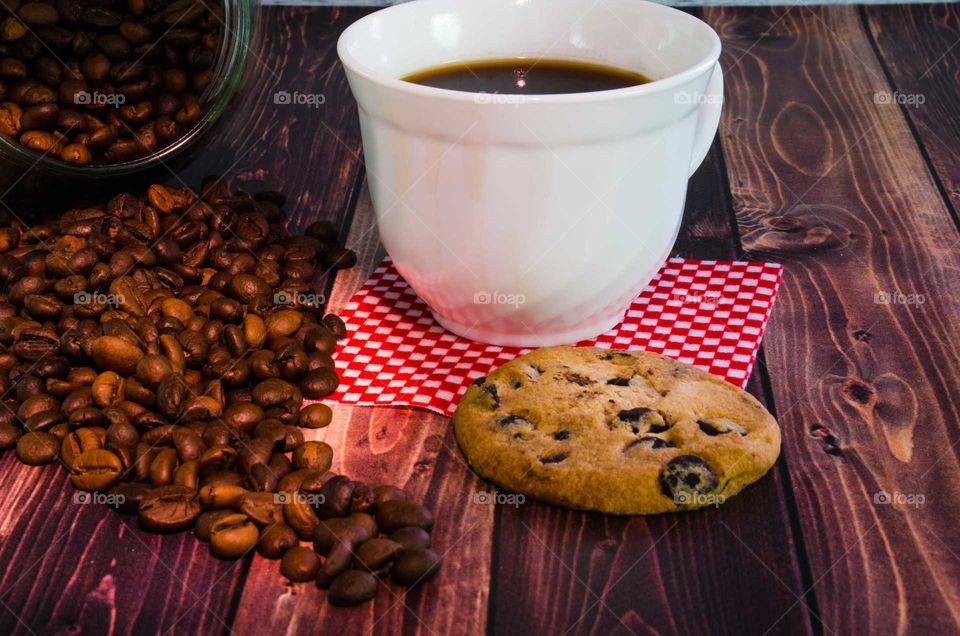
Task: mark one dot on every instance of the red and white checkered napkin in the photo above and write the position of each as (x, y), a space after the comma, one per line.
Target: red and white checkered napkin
(707, 313)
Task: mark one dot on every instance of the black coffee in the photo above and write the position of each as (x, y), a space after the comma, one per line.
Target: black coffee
(525, 76)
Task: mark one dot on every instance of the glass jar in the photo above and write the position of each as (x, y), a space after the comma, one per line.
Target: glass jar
(37, 181)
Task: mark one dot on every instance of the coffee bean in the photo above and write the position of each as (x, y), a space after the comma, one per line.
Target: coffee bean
(396, 514)
(315, 416)
(336, 325)
(319, 384)
(313, 456)
(352, 588)
(36, 448)
(9, 434)
(411, 538)
(233, 536)
(205, 521)
(275, 540)
(116, 354)
(376, 554)
(127, 496)
(96, 469)
(300, 564)
(169, 509)
(415, 567)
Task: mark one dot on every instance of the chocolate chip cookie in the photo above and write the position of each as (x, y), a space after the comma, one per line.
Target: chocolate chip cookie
(623, 432)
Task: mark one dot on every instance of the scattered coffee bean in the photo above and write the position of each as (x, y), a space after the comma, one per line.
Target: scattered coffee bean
(36, 448)
(300, 564)
(177, 386)
(232, 536)
(352, 588)
(414, 567)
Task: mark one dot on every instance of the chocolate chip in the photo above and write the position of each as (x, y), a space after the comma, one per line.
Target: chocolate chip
(479, 381)
(553, 459)
(517, 384)
(491, 390)
(633, 415)
(649, 442)
(618, 382)
(685, 476)
(561, 435)
(720, 426)
(513, 420)
(580, 380)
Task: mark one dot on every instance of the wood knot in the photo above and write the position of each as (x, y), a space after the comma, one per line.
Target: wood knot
(863, 335)
(859, 392)
(828, 439)
(805, 230)
(783, 223)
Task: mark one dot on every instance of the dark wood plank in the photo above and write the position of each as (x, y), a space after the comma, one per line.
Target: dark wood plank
(78, 567)
(834, 186)
(116, 577)
(416, 450)
(920, 48)
(728, 570)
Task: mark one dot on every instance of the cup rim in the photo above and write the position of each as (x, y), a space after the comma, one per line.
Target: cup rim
(354, 65)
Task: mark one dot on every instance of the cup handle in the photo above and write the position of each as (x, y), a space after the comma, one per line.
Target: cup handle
(708, 118)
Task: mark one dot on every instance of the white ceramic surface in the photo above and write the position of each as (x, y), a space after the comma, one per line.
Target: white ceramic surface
(531, 220)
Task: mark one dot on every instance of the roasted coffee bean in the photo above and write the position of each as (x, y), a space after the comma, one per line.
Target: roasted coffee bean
(319, 384)
(233, 536)
(262, 508)
(313, 456)
(9, 434)
(352, 588)
(396, 514)
(376, 554)
(275, 540)
(337, 494)
(169, 509)
(36, 448)
(336, 325)
(415, 567)
(300, 564)
(315, 416)
(127, 495)
(382, 494)
(411, 538)
(96, 469)
(205, 523)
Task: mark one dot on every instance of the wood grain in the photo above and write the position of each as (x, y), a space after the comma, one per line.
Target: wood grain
(566, 572)
(311, 153)
(833, 185)
(71, 567)
(920, 46)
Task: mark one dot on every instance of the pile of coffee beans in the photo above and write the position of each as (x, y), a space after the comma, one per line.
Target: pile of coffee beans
(160, 349)
(105, 81)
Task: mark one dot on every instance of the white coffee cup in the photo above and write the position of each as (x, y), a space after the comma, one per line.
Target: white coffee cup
(531, 220)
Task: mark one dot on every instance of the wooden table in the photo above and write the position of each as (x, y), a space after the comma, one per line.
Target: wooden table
(816, 167)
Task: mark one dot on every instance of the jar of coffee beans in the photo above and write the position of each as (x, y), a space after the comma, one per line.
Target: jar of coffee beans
(94, 89)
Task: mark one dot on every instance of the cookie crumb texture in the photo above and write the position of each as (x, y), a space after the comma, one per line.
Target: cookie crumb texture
(622, 432)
